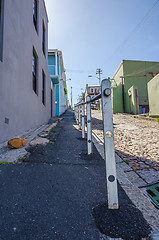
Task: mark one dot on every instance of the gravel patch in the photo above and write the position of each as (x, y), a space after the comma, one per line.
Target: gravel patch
(136, 141)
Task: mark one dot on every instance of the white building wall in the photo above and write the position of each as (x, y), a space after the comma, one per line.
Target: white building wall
(62, 98)
(18, 102)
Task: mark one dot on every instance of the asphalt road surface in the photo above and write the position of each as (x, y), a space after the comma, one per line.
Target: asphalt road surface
(59, 193)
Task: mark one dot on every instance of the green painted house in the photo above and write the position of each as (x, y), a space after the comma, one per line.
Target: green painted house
(129, 86)
(153, 95)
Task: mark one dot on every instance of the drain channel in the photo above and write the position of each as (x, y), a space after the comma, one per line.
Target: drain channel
(153, 193)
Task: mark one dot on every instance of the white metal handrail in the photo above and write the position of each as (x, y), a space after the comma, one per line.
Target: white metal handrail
(90, 100)
(105, 95)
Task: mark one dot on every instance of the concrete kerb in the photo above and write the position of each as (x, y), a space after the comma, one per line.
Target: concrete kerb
(141, 201)
(145, 117)
(33, 138)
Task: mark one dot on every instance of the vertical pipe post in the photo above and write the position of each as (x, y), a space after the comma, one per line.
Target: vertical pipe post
(112, 191)
(83, 122)
(75, 109)
(75, 112)
(89, 127)
(79, 118)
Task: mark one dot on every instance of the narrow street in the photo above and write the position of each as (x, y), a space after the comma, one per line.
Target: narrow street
(59, 193)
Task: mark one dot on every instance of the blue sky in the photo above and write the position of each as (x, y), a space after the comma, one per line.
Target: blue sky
(100, 34)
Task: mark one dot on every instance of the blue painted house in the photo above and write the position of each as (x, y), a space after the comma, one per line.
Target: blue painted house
(58, 78)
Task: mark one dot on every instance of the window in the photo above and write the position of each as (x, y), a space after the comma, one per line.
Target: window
(43, 87)
(43, 38)
(0, 10)
(51, 103)
(34, 70)
(1, 27)
(91, 90)
(35, 13)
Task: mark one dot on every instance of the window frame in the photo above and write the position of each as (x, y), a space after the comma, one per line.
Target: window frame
(35, 71)
(1, 28)
(43, 87)
(0, 10)
(43, 38)
(35, 14)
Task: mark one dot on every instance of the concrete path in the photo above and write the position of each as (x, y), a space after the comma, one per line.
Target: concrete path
(59, 193)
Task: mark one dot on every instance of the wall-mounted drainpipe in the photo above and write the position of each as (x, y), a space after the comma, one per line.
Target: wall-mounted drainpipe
(123, 97)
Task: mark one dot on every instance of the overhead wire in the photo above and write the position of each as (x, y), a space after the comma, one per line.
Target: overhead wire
(123, 43)
(142, 70)
(79, 71)
(137, 72)
(134, 30)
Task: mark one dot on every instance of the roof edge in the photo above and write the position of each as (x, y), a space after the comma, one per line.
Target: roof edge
(118, 68)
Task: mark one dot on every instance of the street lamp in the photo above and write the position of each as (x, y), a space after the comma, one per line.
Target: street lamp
(94, 77)
(99, 72)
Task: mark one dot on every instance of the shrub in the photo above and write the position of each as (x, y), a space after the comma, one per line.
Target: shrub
(157, 120)
(65, 91)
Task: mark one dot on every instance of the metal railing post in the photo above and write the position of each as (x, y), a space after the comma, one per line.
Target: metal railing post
(89, 127)
(79, 117)
(76, 113)
(112, 190)
(83, 122)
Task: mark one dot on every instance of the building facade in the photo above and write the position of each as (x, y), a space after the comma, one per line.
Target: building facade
(58, 78)
(25, 85)
(153, 95)
(92, 91)
(129, 86)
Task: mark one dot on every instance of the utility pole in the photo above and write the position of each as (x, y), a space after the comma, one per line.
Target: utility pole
(99, 72)
(71, 97)
(123, 97)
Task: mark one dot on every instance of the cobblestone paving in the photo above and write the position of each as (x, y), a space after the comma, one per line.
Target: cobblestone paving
(136, 141)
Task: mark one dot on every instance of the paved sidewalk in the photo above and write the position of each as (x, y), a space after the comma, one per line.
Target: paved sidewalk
(12, 155)
(58, 192)
(137, 195)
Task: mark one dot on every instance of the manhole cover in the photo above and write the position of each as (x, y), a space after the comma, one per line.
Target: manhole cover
(153, 193)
